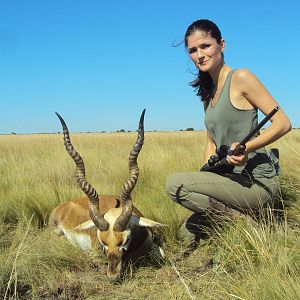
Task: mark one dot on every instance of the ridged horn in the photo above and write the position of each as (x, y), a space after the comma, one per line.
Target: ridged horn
(128, 186)
(91, 193)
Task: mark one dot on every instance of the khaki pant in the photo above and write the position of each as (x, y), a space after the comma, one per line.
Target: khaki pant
(193, 189)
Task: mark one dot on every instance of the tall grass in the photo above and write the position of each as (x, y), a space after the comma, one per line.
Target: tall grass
(251, 261)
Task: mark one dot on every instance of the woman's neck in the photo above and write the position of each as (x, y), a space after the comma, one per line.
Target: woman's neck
(218, 73)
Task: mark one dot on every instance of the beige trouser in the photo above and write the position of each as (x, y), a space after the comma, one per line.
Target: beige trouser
(193, 189)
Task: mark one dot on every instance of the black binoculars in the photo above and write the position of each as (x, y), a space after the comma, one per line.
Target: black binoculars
(222, 153)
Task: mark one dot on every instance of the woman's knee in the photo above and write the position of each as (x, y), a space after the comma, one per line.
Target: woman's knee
(173, 185)
(181, 191)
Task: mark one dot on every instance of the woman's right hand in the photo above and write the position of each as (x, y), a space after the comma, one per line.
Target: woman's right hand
(237, 160)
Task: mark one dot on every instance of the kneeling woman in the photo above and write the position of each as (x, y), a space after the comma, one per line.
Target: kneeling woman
(232, 99)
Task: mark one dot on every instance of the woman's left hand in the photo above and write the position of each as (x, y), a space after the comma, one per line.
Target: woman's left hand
(237, 160)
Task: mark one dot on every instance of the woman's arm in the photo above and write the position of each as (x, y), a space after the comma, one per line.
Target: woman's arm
(250, 87)
(256, 93)
(210, 147)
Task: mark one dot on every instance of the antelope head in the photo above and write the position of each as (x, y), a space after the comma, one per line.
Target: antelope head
(119, 226)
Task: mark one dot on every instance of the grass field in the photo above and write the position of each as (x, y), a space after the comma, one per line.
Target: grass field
(250, 261)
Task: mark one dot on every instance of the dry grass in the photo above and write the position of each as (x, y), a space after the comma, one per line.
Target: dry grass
(250, 262)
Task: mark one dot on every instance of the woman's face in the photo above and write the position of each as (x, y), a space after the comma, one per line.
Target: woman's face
(205, 51)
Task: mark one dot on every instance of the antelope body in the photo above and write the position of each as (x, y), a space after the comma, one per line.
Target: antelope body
(106, 220)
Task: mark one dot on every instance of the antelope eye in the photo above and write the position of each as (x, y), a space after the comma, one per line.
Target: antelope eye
(126, 245)
(103, 245)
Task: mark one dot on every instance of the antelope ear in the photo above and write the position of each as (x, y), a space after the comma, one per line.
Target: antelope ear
(144, 222)
(85, 225)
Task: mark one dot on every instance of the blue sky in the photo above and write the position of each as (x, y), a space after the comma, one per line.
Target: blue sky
(99, 63)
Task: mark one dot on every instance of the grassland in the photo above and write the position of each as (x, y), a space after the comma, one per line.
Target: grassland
(260, 261)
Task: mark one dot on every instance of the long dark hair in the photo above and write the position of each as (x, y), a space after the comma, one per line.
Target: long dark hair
(203, 84)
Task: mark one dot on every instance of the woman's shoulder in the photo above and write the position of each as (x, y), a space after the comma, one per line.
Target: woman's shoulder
(244, 77)
(243, 74)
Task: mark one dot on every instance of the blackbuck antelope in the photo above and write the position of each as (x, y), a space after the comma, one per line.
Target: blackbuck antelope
(111, 222)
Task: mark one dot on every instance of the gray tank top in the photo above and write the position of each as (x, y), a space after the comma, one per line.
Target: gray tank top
(228, 124)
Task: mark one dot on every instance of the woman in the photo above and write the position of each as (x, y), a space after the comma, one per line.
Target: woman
(231, 100)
